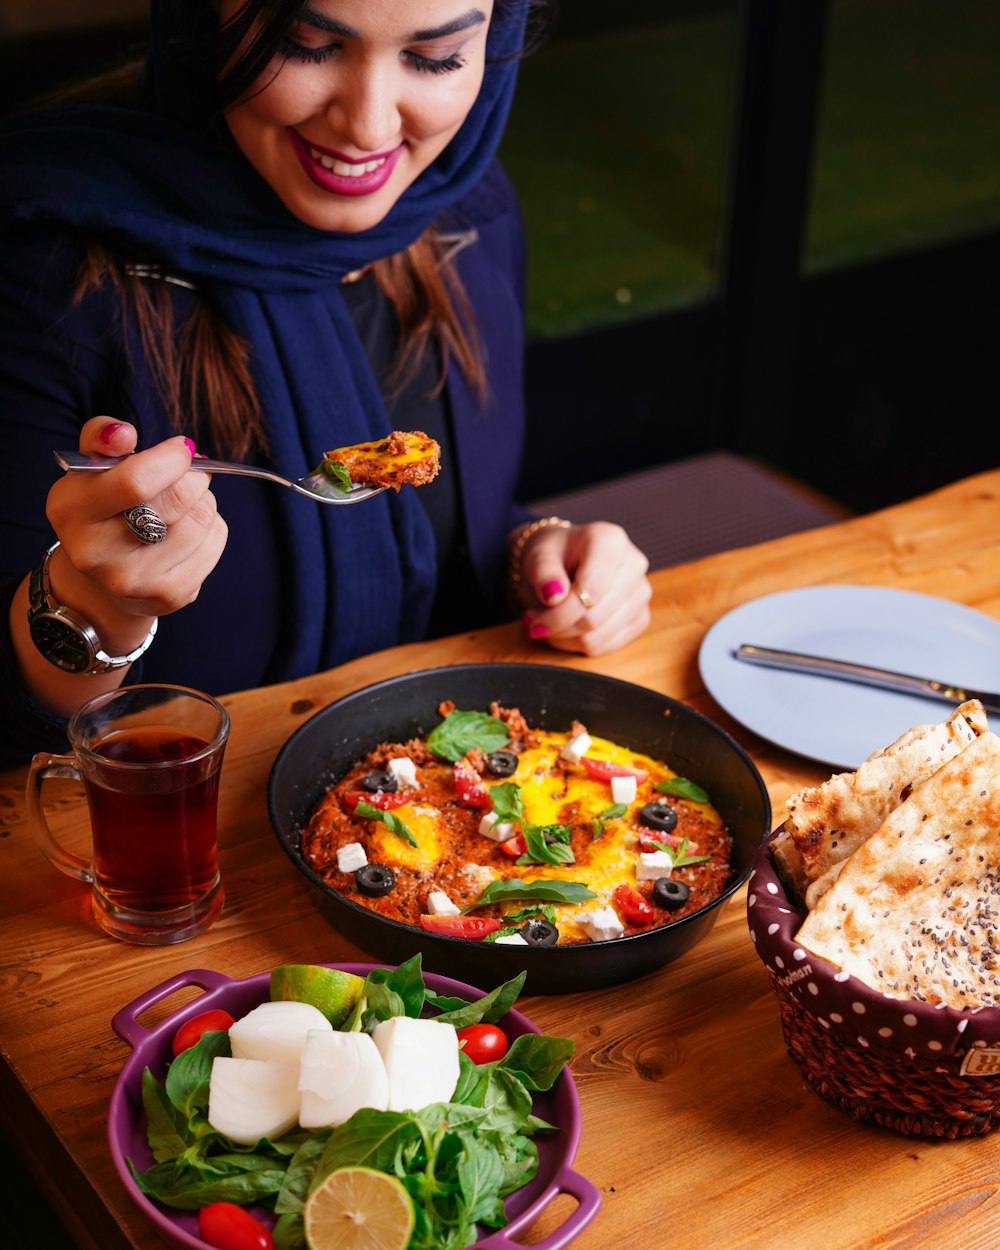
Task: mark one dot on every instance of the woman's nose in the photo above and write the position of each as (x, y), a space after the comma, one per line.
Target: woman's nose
(365, 111)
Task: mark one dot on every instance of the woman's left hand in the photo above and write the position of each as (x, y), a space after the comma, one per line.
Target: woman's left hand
(588, 586)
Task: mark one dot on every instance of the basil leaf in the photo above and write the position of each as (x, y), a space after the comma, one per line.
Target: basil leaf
(391, 821)
(507, 801)
(490, 1008)
(678, 854)
(336, 472)
(514, 888)
(614, 812)
(461, 732)
(683, 788)
(539, 850)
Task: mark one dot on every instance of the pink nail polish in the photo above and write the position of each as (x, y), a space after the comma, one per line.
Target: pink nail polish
(109, 431)
(552, 590)
(189, 444)
(538, 630)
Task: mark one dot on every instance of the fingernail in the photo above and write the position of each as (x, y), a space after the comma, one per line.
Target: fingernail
(189, 444)
(109, 431)
(533, 628)
(552, 590)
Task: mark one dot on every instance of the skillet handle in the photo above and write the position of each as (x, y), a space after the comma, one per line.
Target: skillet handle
(125, 1023)
(566, 1182)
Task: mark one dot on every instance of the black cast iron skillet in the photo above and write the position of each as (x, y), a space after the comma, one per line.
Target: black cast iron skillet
(323, 749)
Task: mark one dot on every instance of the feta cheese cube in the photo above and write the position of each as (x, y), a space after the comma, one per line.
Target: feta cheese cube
(624, 789)
(498, 830)
(652, 865)
(404, 770)
(439, 904)
(574, 750)
(601, 924)
(510, 939)
(351, 857)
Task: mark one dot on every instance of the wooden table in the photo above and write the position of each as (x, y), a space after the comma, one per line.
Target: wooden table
(698, 1129)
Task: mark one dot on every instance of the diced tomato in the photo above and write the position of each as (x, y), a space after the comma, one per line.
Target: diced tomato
(190, 1032)
(514, 846)
(460, 926)
(632, 905)
(470, 786)
(384, 800)
(604, 770)
(649, 837)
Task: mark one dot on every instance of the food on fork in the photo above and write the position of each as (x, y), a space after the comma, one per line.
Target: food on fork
(401, 459)
(825, 824)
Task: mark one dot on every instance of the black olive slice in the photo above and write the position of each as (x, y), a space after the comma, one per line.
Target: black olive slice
(374, 879)
(669, 893)
(501, 763)
(539, 932)
(374, 782)
(658, 815)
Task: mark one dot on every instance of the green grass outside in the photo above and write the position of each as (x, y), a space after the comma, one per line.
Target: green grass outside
(618, 145)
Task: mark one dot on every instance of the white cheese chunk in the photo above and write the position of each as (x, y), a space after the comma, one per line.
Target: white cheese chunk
(275, 1031)
(478, 875)
(624, 789)
(601, 924)
(351, 857)
(439, 904)
(404, 770)
(652, 865)
(421, 1061)
(510, 939)
(574, 750)
(491, 826)
(252, 1098)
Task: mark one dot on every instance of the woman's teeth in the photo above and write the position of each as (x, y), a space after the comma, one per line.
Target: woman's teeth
(344, 170)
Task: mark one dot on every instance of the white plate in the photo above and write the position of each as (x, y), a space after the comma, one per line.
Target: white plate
(837, 722)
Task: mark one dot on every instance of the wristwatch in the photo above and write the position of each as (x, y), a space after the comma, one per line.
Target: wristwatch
(64, 637)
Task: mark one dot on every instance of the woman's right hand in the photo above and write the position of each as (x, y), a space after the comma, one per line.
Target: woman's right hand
(102, 571)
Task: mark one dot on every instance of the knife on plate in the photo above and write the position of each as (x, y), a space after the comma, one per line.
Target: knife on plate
(903, 683)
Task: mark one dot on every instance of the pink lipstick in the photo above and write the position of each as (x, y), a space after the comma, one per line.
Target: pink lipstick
(338, 174)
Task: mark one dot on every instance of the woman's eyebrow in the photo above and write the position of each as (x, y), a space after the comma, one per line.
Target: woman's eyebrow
(474, 17)
(312, 18)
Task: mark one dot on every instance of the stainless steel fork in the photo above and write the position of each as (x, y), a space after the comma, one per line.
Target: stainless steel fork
(314, 485)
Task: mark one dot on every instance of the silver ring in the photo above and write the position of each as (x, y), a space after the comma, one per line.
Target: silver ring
(584, 597)
(145, 523)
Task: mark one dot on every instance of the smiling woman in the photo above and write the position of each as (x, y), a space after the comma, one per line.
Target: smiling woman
(285, 231)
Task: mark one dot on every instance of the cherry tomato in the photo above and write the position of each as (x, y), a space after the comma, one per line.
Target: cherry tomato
(632, 905)
(514, 846)
(384, 800)
(191, 1031)
(460, 926)
(470, 786)
(483, 1042)
(604, 770)
(229, 1227)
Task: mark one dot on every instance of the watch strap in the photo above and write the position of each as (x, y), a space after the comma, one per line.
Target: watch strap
(41, 599)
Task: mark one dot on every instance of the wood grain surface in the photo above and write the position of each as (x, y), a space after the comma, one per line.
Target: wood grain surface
(697, 1128)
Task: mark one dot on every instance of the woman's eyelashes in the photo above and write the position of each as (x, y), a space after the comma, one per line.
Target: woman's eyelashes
(317, 54)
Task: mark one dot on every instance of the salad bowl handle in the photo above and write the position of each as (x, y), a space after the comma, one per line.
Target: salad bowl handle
(566, 1181)
(125, 1022)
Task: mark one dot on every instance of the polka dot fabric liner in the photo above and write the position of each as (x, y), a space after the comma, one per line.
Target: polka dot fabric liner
(846, 1008)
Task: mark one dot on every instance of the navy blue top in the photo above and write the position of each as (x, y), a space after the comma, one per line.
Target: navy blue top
(62, 364)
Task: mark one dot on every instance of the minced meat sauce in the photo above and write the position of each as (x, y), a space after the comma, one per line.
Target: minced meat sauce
(560, 796)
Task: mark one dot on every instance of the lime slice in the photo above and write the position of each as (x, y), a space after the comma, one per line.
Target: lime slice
(335, 993)
(358, 1209)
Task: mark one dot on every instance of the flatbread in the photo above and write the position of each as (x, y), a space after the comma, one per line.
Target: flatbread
(825, 824)
(915, 911)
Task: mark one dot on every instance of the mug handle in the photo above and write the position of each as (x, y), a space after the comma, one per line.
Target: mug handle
(42, 767)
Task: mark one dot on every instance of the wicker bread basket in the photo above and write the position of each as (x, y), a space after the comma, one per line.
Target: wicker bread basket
(903, 1064)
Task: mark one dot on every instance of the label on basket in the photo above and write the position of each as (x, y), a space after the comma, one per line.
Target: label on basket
(982, 1061)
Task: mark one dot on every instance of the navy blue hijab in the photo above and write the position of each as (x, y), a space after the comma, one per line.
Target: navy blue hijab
(177, 191)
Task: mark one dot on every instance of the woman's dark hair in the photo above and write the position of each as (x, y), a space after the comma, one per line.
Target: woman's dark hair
(203, 369)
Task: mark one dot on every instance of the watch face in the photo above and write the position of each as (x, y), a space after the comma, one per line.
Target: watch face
(60, 643)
